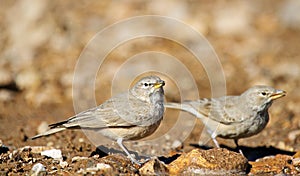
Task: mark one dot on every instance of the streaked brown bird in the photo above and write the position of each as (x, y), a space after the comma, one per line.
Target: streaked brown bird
(132, 115)
(233, 117)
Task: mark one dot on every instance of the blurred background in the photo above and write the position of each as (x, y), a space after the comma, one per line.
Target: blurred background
(257, 42)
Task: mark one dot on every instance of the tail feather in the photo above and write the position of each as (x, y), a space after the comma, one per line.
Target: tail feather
(184, 107)
(180, 106)
(49, 132)
(58, 124)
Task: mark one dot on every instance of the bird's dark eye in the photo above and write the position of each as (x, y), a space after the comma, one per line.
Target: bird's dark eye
(264, 93)
(146, 84)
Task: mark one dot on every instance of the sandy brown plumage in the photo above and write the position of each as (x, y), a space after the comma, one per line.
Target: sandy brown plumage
(132, 115)
(233, 117)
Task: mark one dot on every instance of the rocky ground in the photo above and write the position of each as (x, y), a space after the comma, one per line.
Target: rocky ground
(41, 42)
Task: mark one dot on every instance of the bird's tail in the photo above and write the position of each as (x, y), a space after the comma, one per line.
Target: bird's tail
(183, 107)
(51, 131)
(173, 105)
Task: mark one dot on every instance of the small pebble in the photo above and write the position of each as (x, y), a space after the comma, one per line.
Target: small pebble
(99, 166)
(293, 135)
(67, 79)
(80, 171)
(92, 169)
(53, 153)
(6, 95)
(296, 161)
(81, 140)
(176, 144)
(63, 164)
(38, 169)
(26, 148)
(50, 144)
(96, 156)
(281, 145)
(103, 166)
(28, 79)
(43, 127)
(167, 137)
(78, 158)
(5, 77)
(10, 156)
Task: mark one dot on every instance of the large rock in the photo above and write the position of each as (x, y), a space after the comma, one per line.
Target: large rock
(277, 165)
(212, 162)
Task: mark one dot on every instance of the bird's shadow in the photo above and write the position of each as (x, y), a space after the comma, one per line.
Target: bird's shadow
(251, 153)
(103, 151)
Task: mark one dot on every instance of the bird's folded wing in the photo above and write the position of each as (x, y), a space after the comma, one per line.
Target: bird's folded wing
(96, 118)
(218, 109)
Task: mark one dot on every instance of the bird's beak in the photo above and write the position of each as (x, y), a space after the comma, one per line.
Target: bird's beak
(278, 94)
(159, 84)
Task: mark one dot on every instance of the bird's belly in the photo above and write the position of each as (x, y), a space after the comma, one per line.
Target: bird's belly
(242, 130)
(130, 133)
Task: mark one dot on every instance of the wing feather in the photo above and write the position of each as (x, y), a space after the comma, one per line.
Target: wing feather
(223, 110)
(112, 113)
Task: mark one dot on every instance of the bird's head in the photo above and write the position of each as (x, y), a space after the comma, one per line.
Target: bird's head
(147, 86)
(261, 97)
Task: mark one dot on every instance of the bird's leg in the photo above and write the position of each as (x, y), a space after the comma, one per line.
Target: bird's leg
(120, 142)
(216, 142)
(238, 147)
(213, 137)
